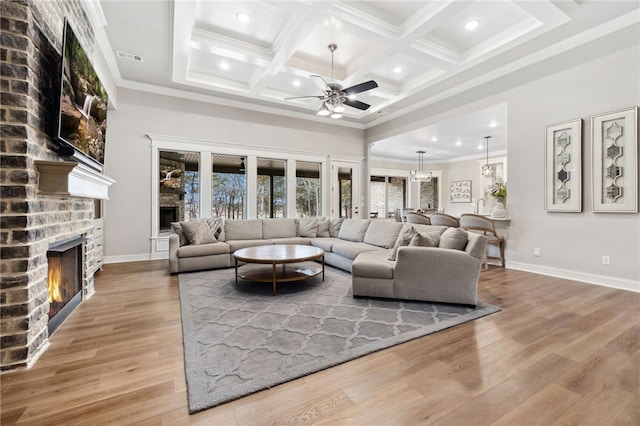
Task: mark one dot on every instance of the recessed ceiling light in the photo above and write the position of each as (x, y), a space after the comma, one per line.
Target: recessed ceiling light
(458, 143)
(243, 17)
(397, 70)
(480, 146)
(472, 25)
(434, 139)
(493, 123)
(296, 83)
(224, 65)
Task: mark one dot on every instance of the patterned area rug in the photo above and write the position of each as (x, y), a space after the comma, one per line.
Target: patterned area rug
(239, 338)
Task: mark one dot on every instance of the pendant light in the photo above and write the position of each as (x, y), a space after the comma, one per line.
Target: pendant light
(487, 170)
(420, 175)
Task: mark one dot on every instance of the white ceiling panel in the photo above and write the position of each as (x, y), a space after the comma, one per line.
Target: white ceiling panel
(265, 24)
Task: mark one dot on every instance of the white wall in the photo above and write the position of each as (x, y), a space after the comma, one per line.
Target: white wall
(570, 241)
(128, 153)
(595, 78)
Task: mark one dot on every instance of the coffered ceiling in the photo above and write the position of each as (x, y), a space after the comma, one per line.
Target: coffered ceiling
(417, 51)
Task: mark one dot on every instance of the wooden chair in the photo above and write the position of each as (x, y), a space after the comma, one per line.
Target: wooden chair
(413, 217)
(474, 222)
(444, 220)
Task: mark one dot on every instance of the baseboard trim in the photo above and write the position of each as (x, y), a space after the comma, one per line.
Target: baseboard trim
(135, 258)
(619, 283)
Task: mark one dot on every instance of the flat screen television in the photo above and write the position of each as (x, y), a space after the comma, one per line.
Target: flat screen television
(82, 117)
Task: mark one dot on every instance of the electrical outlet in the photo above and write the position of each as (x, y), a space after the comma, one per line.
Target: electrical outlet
(536, 252)
(606, 260)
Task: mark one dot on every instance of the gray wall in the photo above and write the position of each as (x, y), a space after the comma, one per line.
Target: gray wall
(128, 153)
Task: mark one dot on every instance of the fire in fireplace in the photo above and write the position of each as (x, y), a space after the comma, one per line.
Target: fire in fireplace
(64, 280)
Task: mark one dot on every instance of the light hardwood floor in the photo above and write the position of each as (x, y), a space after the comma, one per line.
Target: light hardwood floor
(560, 352)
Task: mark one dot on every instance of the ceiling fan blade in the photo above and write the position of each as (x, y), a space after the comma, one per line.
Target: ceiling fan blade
(356, 104)
(362, 87)
(305, 97)
(324, 85)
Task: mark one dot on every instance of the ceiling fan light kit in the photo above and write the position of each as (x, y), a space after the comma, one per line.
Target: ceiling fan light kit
(336, 97)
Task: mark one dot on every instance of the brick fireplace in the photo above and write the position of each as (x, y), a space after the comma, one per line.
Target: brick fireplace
(33, 220)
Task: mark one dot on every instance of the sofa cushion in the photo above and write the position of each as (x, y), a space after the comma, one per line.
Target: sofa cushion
(203, 250)
(373, 264)
(454, 238)
(305, 241)
(278, 228)
(198, 231)
(238, 244)
(323, 228)
(308, 227)
(350, 249)
(325, 244)
(334, 226)
(404, 238)
(243, 229)
(177, 228)
(382, 233)
(353, 229)
(428, 239)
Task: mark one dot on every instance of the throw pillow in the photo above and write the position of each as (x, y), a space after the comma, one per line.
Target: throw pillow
(429, 239)
(323, 228)
(198, 232)
(217, 227)
(308, 227)
(454, 238)
(334, 227)
(177, 228)
(404, 238)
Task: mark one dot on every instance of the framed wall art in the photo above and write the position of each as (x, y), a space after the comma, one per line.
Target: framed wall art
(563, 167)
(460, 191)
(614, 152)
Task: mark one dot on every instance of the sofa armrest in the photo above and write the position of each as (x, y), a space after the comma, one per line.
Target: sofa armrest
(437, 275)
(174, 245)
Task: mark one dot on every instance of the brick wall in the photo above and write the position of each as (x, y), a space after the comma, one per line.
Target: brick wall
(30, 50)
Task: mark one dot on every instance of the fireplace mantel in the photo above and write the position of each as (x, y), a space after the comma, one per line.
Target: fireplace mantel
(68, 178)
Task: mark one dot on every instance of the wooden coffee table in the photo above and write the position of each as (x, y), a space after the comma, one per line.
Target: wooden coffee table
(280, 254)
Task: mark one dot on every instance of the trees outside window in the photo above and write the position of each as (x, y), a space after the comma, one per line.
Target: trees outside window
(308, 189)
(228, 187)
(271, 188)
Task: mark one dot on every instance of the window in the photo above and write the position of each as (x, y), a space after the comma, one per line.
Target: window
(345, 193)
(271, 194)
(387, 193)
(179, 187)
(308, 189)
(228, 186)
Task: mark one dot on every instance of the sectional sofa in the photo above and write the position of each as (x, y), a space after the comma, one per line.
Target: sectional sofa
(386, 259)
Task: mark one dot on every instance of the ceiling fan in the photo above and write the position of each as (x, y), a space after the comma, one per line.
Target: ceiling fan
(335, 96)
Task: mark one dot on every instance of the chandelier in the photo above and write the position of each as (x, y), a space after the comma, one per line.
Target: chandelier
(420, 175)
(487, 170)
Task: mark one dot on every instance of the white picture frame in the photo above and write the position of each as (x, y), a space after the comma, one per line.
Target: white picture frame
(563, 166)
(614, 156)
(460, 191)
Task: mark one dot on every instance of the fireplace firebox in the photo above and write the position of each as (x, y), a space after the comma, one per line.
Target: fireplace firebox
(64, 280)
(167, 215)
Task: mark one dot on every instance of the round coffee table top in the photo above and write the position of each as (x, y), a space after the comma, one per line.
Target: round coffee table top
(278, 253)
